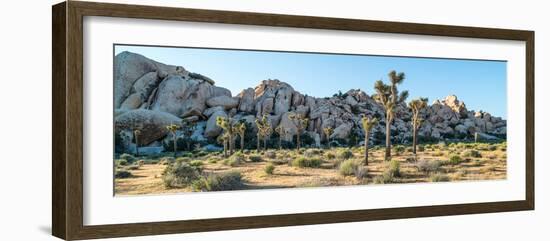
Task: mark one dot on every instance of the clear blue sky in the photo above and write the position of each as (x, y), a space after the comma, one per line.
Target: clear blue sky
(481, 84)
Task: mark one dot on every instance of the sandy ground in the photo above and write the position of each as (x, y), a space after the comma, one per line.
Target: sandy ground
(147, 179)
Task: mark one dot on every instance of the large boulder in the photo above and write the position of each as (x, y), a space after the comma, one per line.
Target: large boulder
(246, 101)
(152, 124)
(212, 129)
(129, 67)
(342, 131)
(227, 102)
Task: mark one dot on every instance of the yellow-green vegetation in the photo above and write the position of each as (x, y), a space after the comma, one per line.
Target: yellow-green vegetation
(311, 167)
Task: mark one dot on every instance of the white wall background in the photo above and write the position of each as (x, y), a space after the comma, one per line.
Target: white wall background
(25, 96)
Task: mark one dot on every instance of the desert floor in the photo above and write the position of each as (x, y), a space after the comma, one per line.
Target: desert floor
(481, 161)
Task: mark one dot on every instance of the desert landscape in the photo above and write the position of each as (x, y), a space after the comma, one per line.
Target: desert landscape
(177, 131)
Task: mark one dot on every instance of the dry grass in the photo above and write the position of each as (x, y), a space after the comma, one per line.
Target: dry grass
(147, 179)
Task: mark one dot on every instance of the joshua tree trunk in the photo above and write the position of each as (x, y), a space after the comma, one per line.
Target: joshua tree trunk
(387, 155)
(231, 144)
(137, 145)
(225, 148)
(242, 143)
(175, 145)
(258, 143)
(280, 143)
(265, 144)
(298, 141)
(366, 149)
(415, 132)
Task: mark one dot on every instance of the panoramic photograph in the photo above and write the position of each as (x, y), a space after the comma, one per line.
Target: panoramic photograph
(203, 119)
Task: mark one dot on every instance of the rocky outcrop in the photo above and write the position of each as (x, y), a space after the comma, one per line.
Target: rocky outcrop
(155, 94)
(152, 124)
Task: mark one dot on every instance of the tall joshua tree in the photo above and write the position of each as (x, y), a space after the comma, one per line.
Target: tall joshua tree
(389, 97)
(368, 124)
(328, 132)
(282, 131)
(172, 128)
(301, 124)
(223, 138)
(416, 106)
(226, 123)
(137, 132)
(188, 127)
(264, 131)
(240, 128)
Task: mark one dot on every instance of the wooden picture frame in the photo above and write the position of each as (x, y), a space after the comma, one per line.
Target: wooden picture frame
(67, 137)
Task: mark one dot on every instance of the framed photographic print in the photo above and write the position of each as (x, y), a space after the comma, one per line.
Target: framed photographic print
(171, 120)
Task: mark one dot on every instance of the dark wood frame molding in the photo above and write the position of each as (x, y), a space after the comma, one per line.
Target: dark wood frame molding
(67, 123)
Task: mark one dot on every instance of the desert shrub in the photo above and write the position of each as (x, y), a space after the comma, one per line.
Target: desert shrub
(183, 159)
(438, 177)
(140, 162)
(270, 154)
(330, 155)
(394, 168)
(180, 174)
(167, 159)
(455, 160)
(122, 174)
(399, 150)
(234, 160)
(269, 168)
(214, 159)
(420, 148)
(471, 153)
(352, 167)
(311, 152)
(219, 182)
(255, 158)
(133, 167)
(128, 157)
(385, 178)
(121, 162)
(493, 147)
(344, 154)
(438, 153)
(196, 163)
(428, 166)
(306, 162)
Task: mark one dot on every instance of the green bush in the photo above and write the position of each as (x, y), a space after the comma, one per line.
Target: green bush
(219, 182)
(394, 168)
(385, 178)
(330, 155)
(128, 157)
(234, 160)
(306, 162)
(180, 174)
(255, 158)
(399, 150)
(353, 168)
(196, 163)
(455, 160)
(311, 152)
(269, 169)
(438, 177)
(121, 162)
(122, 174)
(344, 154)
(420, 148)
(472, 153)
(428, 166)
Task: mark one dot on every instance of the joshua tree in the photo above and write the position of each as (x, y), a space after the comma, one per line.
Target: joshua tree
(368, 124)
(389, 97)
(228, 127)
(137, 132)
(301, 123)
(416, 106)
(281, 130)
(264, 131)
(240, 128)
(328, 132)
(188, 127)
(223, 138)
(173, 128)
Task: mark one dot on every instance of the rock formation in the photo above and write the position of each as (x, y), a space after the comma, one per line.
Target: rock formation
(151, 95)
